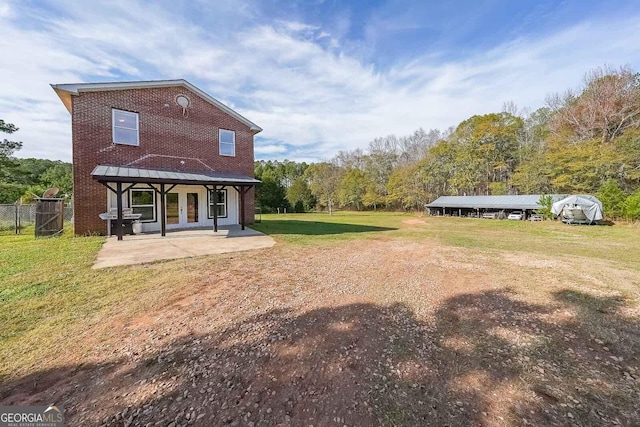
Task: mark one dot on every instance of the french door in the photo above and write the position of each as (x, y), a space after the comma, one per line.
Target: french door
(182, 209)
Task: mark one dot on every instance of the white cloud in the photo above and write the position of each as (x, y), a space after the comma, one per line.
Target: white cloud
(298, 27)
(5, 9)
(290, 77)
(262, 150)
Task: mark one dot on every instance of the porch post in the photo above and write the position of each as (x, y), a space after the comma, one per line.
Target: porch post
(215, 208)
(242, 191)
(119, 207)
(163, 212)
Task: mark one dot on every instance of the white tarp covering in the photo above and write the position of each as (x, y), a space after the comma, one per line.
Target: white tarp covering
(590, 206)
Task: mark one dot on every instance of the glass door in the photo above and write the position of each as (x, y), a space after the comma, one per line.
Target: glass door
(173, 210)
(192, 207)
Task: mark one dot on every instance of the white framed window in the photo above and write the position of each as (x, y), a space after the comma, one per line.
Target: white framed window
(227, 140)
(143, 201)
(222, 204)
(125, 127)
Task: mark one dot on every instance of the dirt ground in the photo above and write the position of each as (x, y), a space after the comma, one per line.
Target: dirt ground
(363, 332)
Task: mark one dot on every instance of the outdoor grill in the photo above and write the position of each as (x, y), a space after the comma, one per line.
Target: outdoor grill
(128, 218)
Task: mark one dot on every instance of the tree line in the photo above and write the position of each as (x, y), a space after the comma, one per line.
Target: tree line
(21, 180)
(583, 141)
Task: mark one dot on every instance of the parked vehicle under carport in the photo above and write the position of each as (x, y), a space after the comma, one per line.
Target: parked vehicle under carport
(516, 215)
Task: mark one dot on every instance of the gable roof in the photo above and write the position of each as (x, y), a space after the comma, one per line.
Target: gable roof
(65, 91)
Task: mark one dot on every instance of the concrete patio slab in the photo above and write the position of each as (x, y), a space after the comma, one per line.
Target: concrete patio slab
(179, 244)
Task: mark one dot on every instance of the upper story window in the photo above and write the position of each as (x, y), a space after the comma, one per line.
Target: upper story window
(227, 142)
(125, 127)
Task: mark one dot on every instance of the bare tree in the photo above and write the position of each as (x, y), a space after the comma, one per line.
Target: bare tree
(606, 106)
(349, 159)
(510, 107)
(415, 147)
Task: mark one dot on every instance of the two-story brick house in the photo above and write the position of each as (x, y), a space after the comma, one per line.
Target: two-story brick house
(164, 149)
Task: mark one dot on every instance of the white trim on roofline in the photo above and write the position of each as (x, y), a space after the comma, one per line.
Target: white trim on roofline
(65, 91)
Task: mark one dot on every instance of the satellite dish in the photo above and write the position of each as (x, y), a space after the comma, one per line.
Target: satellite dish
(183, 101)
(51, 193)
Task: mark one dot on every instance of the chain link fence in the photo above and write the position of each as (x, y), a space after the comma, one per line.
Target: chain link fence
(17, 217)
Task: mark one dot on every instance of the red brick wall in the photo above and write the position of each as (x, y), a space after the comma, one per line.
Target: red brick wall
(166, 138)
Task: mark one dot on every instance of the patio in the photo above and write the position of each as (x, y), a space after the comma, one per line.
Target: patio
(152, 247)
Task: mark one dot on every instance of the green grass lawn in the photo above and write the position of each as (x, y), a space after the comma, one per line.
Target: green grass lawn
(312, 228)
(49, 291)
(41, 283)
(619, 243)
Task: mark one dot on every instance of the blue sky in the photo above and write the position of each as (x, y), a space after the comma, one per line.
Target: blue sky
(317, 76)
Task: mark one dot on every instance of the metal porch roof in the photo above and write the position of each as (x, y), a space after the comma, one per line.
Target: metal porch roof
(105, 173)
